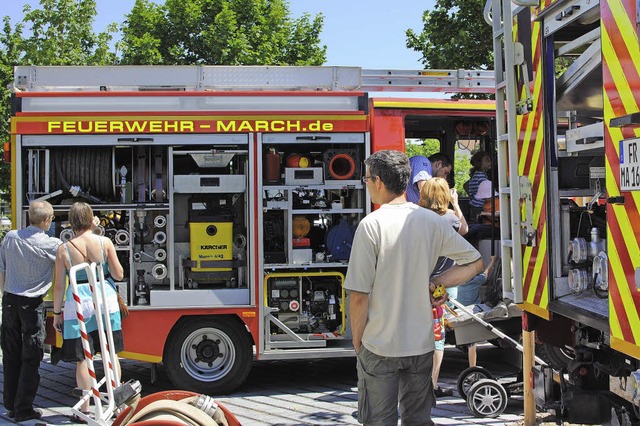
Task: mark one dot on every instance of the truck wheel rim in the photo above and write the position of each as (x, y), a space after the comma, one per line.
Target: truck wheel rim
(207, 354)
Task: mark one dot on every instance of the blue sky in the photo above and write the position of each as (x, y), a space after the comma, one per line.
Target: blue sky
(365, 33)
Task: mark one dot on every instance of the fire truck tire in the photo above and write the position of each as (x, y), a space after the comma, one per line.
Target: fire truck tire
(468, 377)
(558, 358)
(487, 398)
(208, 355)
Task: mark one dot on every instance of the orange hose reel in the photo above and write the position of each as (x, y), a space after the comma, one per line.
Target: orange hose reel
(342, 166)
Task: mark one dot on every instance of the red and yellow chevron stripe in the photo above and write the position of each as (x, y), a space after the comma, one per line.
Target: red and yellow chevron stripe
(530, 128)
(621, 79)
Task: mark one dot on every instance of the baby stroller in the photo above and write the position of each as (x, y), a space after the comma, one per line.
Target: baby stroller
(496, 321)
(486, 395)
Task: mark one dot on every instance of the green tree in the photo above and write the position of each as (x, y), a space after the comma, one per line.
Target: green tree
(461, 167)
(425, 147)
(454, 36)
(59, 33)
(220, 32)
(9, 56)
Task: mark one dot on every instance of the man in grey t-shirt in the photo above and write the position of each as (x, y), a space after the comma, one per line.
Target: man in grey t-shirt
(27, 257)
(394, 249)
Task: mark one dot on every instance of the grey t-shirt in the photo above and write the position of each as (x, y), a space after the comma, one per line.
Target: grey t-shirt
(394, 251)
(27, 257)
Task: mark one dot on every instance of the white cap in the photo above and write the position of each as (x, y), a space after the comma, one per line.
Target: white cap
(484, 190)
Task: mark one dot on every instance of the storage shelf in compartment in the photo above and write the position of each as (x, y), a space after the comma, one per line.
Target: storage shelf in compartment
(315, 143)
(268, 266)
(578, 192)
(586, 152)
(331, 184)
(141, 307)
(326, 211)
(147, 205)
(113, 206)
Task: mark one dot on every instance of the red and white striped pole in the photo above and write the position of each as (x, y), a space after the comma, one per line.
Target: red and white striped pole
(107, 346)
(83, 331)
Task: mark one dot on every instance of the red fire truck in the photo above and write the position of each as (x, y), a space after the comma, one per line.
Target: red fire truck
(567, 77)
(231, 194)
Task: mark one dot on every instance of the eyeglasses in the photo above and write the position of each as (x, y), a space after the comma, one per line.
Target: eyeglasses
(366, 178)
(52, 217)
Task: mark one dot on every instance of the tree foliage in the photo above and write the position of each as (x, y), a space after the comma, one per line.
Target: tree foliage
(9, 56)
(220, 32)
(454, 36)
(215, 32)
(59, 32)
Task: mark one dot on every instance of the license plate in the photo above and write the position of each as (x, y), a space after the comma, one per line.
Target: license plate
(630, 165)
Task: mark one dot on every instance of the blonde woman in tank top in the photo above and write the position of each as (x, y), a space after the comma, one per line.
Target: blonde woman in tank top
(88, 247)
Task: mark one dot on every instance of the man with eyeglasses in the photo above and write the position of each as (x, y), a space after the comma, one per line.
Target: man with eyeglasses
(27, 257)
(394, 250)
(423, 169)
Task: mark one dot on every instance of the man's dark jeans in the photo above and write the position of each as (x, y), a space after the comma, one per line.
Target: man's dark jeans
(22, 350)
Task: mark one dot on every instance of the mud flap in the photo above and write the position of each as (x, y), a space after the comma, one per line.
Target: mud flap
(569, 403)
(587, 407)
(543, 386)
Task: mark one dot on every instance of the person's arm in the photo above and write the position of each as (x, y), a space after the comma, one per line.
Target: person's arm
(459, 274)
(59, 281)
(464, 227)
(3, 269)
(115, 267)
(493, 261)
(358, 313)
(468, 260)
(360, 277)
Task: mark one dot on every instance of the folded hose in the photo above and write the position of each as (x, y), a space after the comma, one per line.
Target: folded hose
(184, 412)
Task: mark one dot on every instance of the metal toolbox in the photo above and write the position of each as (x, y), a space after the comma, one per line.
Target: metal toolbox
(197, 184)
(303, 176)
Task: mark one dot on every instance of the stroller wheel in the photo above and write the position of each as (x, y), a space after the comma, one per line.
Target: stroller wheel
(468, 377)
(487, 398)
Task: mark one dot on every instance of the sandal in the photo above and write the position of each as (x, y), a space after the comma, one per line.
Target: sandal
(440, 393)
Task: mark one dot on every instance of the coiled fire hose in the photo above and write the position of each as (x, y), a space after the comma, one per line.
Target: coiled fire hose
(200, 410)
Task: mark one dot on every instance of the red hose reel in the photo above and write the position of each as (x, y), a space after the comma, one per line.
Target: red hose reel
(341, 164)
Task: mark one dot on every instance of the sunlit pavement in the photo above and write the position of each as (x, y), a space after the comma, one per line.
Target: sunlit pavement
(311, 392)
